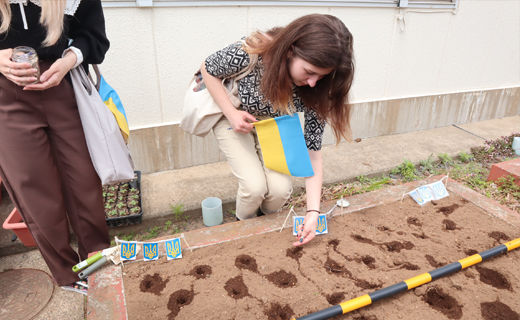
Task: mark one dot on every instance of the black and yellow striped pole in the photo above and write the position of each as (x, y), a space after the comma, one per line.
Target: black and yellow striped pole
(365, 300)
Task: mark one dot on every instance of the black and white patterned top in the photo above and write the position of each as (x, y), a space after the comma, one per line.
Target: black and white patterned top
(230, 60)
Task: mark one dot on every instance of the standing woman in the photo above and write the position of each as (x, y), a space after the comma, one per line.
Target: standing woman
(307, 67)
(44, 160)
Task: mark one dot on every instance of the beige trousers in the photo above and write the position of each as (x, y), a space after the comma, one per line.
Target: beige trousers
(258, 187)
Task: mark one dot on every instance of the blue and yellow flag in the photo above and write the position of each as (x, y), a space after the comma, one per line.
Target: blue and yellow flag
(283, 146)
(111, 99)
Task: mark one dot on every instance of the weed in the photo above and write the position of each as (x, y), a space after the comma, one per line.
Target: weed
(507, 186)
(178, 211)
(127, 237)
(427, 165)
(152, 233)
(407, 170)
(167, 225)
(445, 160)
(465, 157)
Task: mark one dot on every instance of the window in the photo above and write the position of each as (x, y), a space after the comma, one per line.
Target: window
(431, 4)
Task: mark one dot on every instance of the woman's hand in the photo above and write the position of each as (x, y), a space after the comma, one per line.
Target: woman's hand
(53, 76)
(241, 121)
(20, 73)
(308, 228)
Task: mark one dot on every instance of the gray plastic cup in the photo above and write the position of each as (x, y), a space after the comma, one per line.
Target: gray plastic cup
(516, 145)
(212, 211)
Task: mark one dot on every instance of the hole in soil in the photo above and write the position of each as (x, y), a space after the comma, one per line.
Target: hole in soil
(201, 272)
(433, 262)
(335, 298)
(295, 252)
(497, 311)
(396, 246)
(449, 224)
(443, 302)
(333, 267)
(470, 252)
(497, 235)
(362, 239)
(282, 279)
(383, 228)
(493, 278)
(236, 288)
(244, 261)
(360, 283)
(448, 209)
(420, 236)
(153, 284)
(409, 266)
(414, 221)
(278, 312)
(369, 261)
(334, 243)
(179, 299)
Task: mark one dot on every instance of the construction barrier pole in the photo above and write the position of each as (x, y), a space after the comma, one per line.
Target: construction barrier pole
(365, 300)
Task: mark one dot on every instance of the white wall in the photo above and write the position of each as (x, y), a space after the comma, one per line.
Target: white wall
(154, 51)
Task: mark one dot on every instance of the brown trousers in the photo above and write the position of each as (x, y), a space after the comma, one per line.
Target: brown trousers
(46, 167)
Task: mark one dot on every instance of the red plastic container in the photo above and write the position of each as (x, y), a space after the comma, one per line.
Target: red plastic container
(15, 222)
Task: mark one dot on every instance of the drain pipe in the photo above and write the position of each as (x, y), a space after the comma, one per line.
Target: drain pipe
(411, 283)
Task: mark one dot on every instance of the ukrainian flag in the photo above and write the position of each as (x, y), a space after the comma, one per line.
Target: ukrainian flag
(111, 99)
(283, 146)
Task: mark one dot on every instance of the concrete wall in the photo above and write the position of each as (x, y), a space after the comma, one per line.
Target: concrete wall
(415, 69)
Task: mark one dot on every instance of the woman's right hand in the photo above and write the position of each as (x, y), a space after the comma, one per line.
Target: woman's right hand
(20, 73)
(241, 121)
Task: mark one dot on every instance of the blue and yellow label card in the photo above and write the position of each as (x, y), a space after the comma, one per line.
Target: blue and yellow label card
(322, 227)
(429, 192)
(173, 249)
(128, 250)
(151, 251)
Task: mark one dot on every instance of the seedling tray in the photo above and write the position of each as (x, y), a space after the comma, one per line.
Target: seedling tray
(131, 219)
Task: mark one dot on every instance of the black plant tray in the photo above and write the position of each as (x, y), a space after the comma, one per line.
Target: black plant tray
(129, 219)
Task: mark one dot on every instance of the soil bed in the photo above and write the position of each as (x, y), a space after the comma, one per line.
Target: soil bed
(264, 277)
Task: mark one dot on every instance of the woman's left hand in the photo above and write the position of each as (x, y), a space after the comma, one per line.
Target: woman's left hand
(53, 76)
(308, 229)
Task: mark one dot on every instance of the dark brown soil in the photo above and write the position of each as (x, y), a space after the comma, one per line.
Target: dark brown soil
(433, 262)
(470, 252)
(279, 312)
(335, 298)
(493, 278)
(449, 224)
(443, 302)
(179, 299)
(448, 209)
(295, 252)
(201, 272)
(414, 221)
(282, 279)
(498, 236)
(236, 288)
(153, 284)
(369, 261)
(244, 261)
(397, 246)
(497, 311)
(333, 267)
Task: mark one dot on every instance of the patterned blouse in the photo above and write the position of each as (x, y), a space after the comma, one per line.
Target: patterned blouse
(230, 60)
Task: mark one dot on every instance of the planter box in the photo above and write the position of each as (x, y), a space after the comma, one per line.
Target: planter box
(132, 218)
(15, 222)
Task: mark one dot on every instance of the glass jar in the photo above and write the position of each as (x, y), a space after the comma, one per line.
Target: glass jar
(29, 55)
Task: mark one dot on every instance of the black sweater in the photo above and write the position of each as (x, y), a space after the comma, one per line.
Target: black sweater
(86, 28)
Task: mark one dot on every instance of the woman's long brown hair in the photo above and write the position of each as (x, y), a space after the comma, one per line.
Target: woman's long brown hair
(323, 41)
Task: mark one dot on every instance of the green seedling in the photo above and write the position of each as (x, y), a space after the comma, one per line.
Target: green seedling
(446, 160)
(406, 170)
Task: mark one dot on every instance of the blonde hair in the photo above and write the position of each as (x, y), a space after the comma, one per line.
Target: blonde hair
(51, 18)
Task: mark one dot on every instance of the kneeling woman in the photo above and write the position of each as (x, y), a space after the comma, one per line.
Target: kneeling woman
(307, 67)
